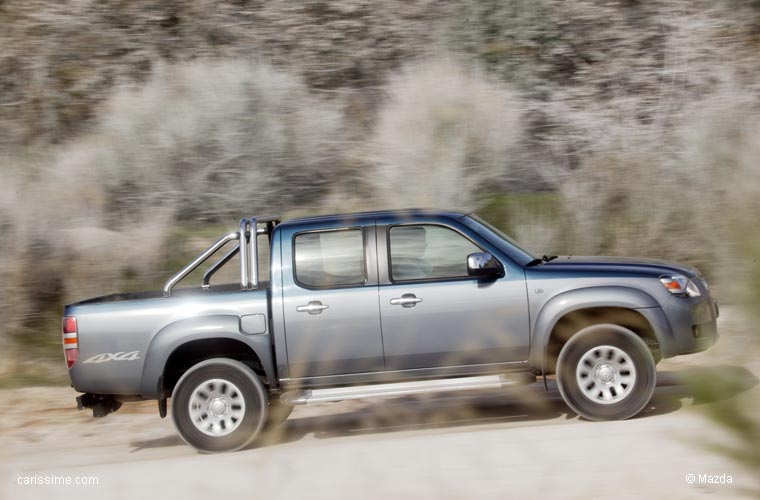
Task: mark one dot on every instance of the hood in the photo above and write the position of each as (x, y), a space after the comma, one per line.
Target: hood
(657, 266)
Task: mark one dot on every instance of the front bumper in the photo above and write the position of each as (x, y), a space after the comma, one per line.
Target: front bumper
(693, 322)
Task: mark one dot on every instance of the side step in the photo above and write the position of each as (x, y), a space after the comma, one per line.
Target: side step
(407, 388)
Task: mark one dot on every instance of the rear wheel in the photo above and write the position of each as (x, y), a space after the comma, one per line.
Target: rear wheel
(606, 372)
(219, 405)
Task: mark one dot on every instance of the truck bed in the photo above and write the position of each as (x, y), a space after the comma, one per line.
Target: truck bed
(157, 294)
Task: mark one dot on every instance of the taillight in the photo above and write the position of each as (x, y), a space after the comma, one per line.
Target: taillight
(70, 340)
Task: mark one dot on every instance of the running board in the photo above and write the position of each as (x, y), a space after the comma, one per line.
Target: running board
(407, 388)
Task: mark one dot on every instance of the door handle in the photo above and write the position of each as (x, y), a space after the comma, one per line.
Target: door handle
(406, 300)
(313, 307)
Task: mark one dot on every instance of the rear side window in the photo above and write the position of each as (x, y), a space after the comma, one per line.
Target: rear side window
(428, 252)
(330, 259)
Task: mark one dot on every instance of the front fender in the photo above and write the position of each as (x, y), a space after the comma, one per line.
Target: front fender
(584, 298)
(172, 336)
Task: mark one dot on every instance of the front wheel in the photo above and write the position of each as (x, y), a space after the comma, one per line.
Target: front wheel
(606, 372)
(219, 405)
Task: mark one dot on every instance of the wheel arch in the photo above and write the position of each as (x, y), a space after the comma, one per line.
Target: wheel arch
(185, 343)
(566, 313)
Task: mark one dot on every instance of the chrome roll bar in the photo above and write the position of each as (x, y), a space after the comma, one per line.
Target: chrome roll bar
(247, 247)
(254, 240)
(218, 265)
(198, 261)
(245, 233)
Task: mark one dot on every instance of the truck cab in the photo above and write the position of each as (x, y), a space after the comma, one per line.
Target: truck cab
(381, 293)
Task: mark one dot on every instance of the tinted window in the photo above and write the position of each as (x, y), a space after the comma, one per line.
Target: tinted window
(428, 252)
(330, 258)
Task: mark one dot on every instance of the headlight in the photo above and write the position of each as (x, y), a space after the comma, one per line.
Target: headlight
(678, 284)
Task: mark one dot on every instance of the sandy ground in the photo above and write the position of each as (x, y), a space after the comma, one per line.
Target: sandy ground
(492, 444)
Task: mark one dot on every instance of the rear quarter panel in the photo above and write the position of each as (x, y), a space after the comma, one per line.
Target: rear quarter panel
(130, 328)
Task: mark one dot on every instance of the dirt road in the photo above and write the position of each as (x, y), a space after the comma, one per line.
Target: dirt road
(485, 445)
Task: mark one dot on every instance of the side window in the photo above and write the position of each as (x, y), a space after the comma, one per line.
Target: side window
(428, 252)
(330, 259)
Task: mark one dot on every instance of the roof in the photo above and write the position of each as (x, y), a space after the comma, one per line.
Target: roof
(407, 212)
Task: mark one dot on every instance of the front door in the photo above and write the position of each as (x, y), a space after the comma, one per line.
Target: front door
(434, 315)
(332, 319)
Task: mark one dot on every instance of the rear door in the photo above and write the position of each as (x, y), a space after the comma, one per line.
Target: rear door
(433, 314)
(332, 319)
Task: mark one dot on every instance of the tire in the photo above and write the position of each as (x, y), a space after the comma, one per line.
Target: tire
(219, 405)
(606, 372)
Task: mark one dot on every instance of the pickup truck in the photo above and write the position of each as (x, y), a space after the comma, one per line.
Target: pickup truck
(381, 304)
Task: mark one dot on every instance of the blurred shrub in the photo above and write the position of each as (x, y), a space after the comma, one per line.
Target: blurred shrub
(532, 218)
(62, 59)
(585, 64)
(214, 140)
(202, 141)
(718, 161)
(627, 202)
(686, 192)
(443, 131)
(57, 248)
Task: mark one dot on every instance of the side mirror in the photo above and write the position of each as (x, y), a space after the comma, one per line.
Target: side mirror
(484, 265)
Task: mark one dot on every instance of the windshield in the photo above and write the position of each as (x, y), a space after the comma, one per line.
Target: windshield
(513, 248)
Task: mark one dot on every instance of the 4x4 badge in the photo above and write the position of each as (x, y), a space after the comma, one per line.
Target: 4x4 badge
(113, 356)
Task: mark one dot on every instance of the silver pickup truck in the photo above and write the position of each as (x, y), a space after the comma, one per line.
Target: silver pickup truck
(381, 304)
